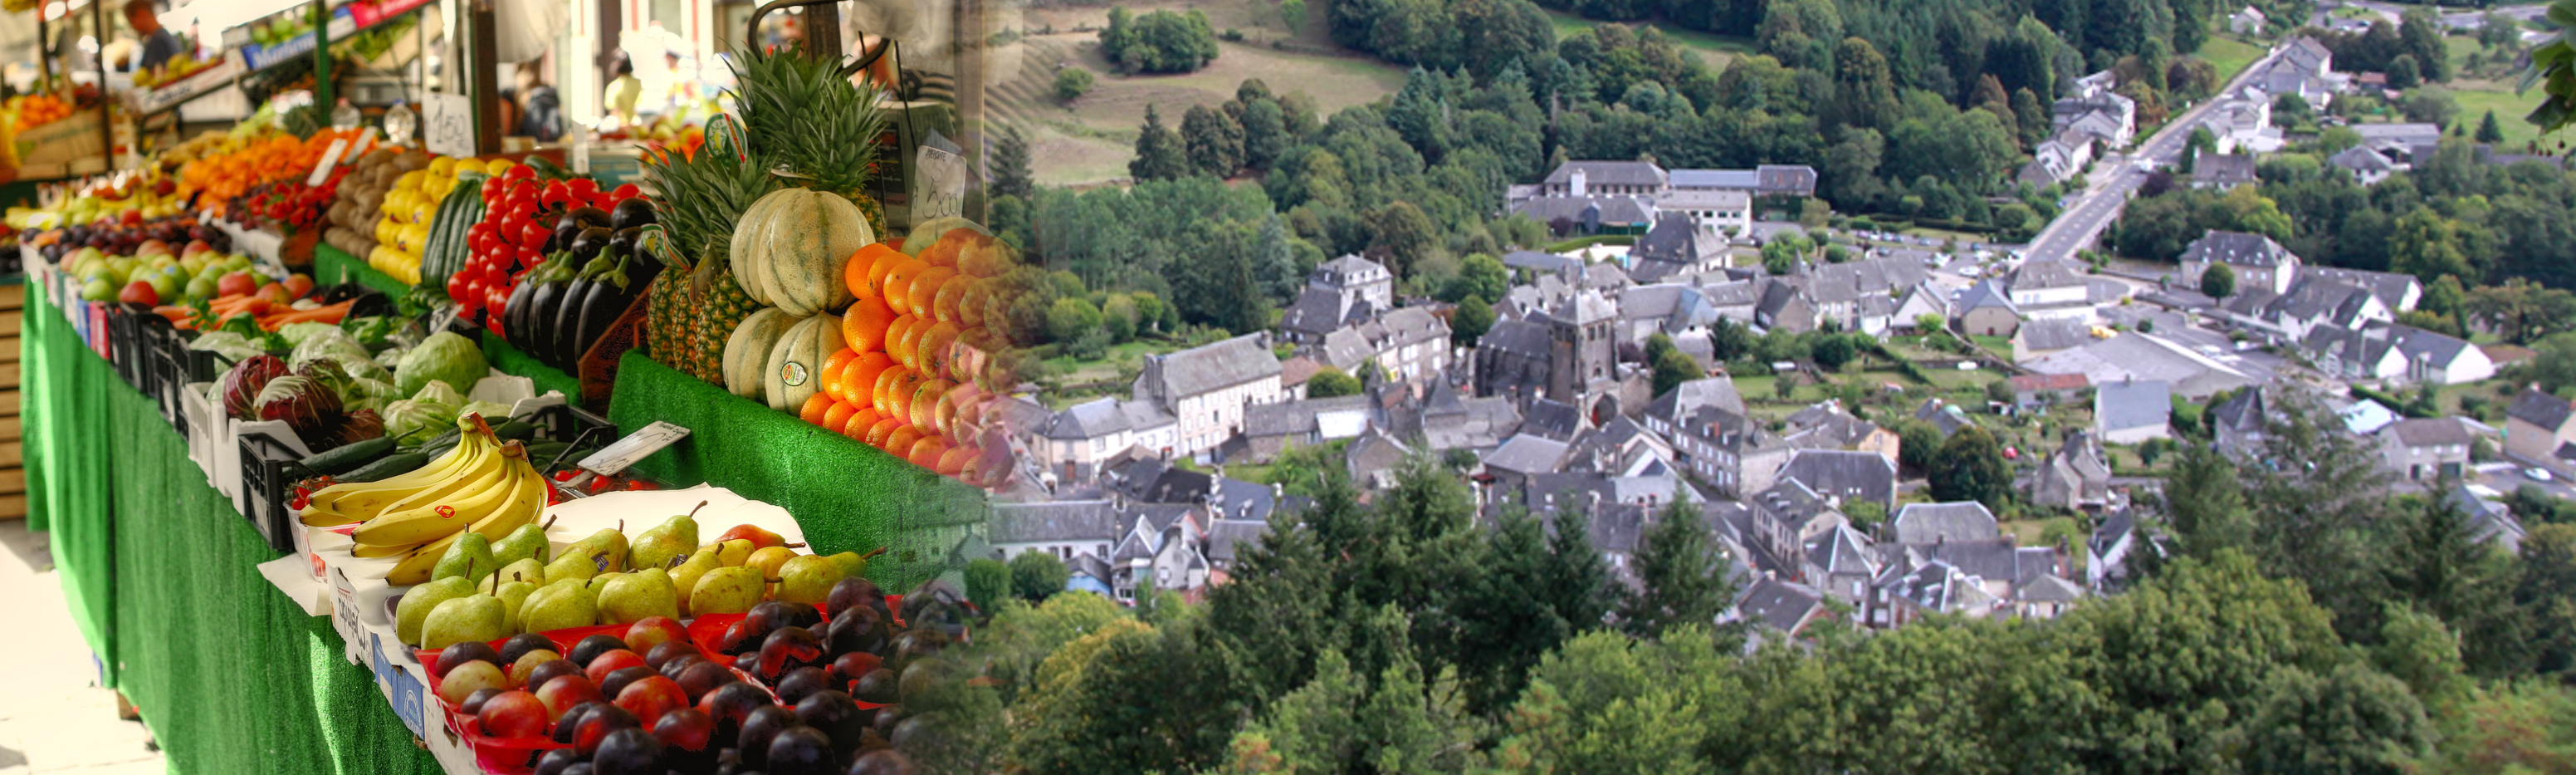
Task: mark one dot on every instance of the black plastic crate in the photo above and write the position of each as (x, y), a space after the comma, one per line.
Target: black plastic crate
(168, 383)
(127, 345)
(270, 470)
(572, 425)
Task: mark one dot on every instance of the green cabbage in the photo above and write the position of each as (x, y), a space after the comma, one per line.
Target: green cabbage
(493, 411)
(425, 414)
(226, 345)
(297, 334)
(444, 356)
(333, 344)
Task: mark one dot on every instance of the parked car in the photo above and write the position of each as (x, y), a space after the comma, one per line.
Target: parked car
(2536, 473)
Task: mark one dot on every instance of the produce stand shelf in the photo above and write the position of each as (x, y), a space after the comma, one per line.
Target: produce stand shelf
(330, 265)
(158, 568)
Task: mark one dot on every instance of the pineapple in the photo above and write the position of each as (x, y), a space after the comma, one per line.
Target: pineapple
(798, 112)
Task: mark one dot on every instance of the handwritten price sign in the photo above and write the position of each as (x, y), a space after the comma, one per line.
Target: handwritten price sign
(447, 124)
(938, 184)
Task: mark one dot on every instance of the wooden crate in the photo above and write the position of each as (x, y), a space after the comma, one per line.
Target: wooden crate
(13, 474)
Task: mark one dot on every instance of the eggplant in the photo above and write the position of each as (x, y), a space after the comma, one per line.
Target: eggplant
(590, 216)
(567, 324)
(621, 242)
(561, 239)
(541, 317)
(632, 213)
(514, 316)
(587, 243)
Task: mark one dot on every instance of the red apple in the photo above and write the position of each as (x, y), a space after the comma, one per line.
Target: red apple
(194, 247)
(273, 292)
(236, 284)
(297, 285)
(150, 248)
(139, 292)
(611, 661)
(648, 698)
(651, 631)
(685, 729)
(528, 662)
(566, 691)
(515, 714)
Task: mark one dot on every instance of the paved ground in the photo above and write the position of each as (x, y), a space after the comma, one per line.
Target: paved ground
(2116, 177)
(53, 716)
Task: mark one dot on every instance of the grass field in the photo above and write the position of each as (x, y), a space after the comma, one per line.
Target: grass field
(1712, 50)
(1090, 140)
(2491, 90)
(2230, 54)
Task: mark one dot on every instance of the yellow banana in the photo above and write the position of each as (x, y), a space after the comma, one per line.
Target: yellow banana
(328, 499)
(440, 511)
(365, 551)
(364, 504)
(477, 466)
(528, 501)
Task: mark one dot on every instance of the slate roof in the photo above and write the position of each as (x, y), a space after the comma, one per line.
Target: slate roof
(1089, 521)
(2431, 432)
(1931, 523)
(2238, 249)
(2223, 169)
(1372, 453)
(1535, 261)
(1843, 550)
(2374, 135)
(1607, 209)
(1937, 586)
(2125, 405)
(2362, 158)
(1995, 560)
(1676, 405)
(1849, 475)
(2052, 334)
(1228, 538)
(2242, 411)
(1522, 337)
(1786, 178)
(1985, 294)
(1293, 418)
(2392, 288)
(1780, 605)
(2541, 409)
(2114, 527)
(1552, 419)
(1674, 238)
(1211, 367)
(1527, 454)
(2047, 274)
(1086, 420)
(2049, 589)
(1614, 173)
(1319, 310)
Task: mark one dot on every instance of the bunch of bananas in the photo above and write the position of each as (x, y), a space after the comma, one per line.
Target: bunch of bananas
(484, 485)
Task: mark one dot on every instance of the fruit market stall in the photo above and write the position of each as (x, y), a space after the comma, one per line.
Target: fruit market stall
(370, 414)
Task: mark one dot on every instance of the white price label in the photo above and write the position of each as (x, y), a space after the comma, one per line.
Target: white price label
(447, 124)
(636, 446)
(330, 158)
(938, 184)
(366, 142)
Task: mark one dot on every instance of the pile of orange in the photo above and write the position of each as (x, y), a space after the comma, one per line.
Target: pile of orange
(906, 384)
(275, 158)
(35, 110)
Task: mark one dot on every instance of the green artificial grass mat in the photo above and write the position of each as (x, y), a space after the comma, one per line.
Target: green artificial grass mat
(509, 360)
(332, 267)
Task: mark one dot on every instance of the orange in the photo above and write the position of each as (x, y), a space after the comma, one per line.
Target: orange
(882, 432)
(859, 379)
(855, 273)
(973, 470)
(941, 253)
(925, 290)
(832, 368)
(935, 344)
(860, 421)
(863, 325)
(926, 451)
(970, 303)
(898, 281)
(814, 409)
(906, 347)
(953, 462)
(877, 269)
(944, 307)
(837, 416)
(925, 403)
(902, 440)
(898, 395)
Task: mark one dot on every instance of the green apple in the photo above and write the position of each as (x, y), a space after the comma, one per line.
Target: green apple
(200, 288)
(98, 290)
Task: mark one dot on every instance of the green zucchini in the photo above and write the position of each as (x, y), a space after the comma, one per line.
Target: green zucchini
(348, 456)
(389, 465)
(515, 428)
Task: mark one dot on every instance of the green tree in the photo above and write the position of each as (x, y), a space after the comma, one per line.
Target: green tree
(988, 582)
(2521, 310)
(2349, 720)
(1971, 468)
(1480, 275)
(1469, 324)
(1330, 383)
(1918, 446)
(1681, 574)
(1831, 352)
(1214, 141)
(2429, 246)
(1011, 174)
(1119, 316)
(1129, 697)
(2546, 594)
(1070, 318)
(1072, 82)
(1159, 153)
(1405, 234)
(2525, 725)
(1265, 132)
(2218, 281)
(1293, 14)
(2431, 105)
(1035, 576)
(1158, 42)
(2488, 130)
(2404, 72)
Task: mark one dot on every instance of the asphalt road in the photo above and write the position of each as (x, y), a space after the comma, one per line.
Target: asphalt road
(2083, 220)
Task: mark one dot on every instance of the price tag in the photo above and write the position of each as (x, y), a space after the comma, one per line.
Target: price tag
(366, 142)
(447, 124)
(636, 446)
(938, 184)
(330, 158)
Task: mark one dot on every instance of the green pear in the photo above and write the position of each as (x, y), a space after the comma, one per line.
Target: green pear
(472, 617)
(635, 596)
(571, 565)
(526, 543)
(606, 548)
(471, 554)
(664, 545)
(513, 596)
(420, 600)
(727, 591)
(853, 563)
(528, 569)
(600, 582)
(808, 579)
(731, 553)
(560, 604)
(684, 577)
(770, 559)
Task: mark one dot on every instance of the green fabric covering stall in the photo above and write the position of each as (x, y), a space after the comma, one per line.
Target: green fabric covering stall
(848, 496)
(332, 267)
(509, 360)
(158, 566)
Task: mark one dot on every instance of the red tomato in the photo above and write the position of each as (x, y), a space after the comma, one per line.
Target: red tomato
(496, 298)
(460, 288)
(625, 192)
(555, 194)
(533, 236)
(582, 188)
(519, 172)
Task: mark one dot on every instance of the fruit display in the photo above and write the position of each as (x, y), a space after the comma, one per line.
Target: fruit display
(229, 166)
(408, 207)
(29, 111)
(358, 209)
(442, 517)
(554, 261)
